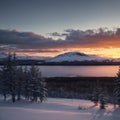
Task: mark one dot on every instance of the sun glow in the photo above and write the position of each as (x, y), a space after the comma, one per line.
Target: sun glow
(103, 52)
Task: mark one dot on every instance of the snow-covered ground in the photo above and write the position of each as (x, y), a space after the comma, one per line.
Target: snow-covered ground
(56, 109)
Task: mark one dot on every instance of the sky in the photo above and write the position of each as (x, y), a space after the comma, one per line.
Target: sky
(51, 27)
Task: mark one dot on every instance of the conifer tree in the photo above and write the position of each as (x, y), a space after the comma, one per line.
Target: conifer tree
(20, 82)
(103, 97)
(117, 88)
(43, 89)
(96, 93)
(12, 73)
(8, 76)
(100, 96)
(26, 83)
(95, 97)
(4, 82)
(37, 84)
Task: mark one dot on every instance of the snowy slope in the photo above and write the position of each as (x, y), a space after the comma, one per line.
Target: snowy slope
(74, 56)
(56, 109)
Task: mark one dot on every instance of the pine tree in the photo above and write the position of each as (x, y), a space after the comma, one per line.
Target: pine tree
(100, 96)
(8, 76)
(96, 93)
(13, 78)
(37, 85)
(20, 82)
(103, 98)
(43, 89)
(12, 73)
(102, 102)
(95, 97)
(26, 83)
(4, 82)
(117, 88)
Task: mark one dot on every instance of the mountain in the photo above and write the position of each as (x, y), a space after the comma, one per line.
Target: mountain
(75, 57)
(69, 58)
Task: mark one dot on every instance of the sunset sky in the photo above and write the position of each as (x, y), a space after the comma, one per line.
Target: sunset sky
(51, 27)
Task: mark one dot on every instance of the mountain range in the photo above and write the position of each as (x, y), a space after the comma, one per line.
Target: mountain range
(69, 58)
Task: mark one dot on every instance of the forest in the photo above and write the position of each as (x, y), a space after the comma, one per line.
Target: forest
(26, 82)
(18, 81)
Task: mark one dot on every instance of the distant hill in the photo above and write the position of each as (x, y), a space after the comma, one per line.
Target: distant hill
(75, 56)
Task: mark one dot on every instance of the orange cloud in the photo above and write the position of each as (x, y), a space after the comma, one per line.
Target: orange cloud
(103, 42)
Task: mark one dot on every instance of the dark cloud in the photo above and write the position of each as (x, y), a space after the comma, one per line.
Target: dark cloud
(38, 50)
(94, 38)
(80, 35)
(118, 32)
(29, 41)
(19, 39)
(56, 34)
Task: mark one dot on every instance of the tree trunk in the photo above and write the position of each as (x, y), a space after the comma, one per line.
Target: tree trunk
(4, 97)
(13, 98)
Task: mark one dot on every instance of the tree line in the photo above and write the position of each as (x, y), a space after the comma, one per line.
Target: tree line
(21, 81)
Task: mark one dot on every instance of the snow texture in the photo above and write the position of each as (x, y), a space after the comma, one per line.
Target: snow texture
(56, 109)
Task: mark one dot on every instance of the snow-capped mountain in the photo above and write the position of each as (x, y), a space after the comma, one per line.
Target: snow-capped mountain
(75, 56)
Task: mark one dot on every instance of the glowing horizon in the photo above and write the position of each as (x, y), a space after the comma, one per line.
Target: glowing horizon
(101, 42)
(105, 53)
(52, 27)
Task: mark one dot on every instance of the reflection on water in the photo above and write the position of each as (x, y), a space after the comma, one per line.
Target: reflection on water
(70, 71)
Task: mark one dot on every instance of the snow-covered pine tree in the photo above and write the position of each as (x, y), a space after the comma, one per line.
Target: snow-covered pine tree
(4, 82)
(26, 84)
(117, 88)
(100, 95)
(103, 97)
(14, 78)
(16, 82)
(20, 82)
(102, 101)
(96, 93)
(95, 97)
(37, 85)
(43, 89)
(8, 75)
(12, 73)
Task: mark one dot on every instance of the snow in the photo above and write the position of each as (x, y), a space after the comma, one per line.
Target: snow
(56, 109)
(75, 56)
